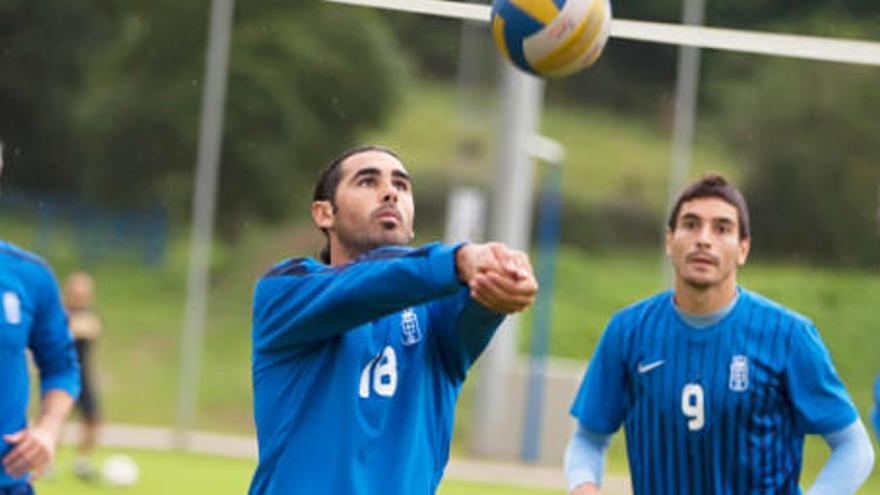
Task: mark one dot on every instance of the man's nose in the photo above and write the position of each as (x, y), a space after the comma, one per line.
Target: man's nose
(705, 236)
(389, 194)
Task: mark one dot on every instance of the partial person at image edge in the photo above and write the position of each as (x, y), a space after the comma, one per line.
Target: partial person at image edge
(31, 318)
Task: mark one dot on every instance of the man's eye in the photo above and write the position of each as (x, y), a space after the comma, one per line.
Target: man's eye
(403, 186)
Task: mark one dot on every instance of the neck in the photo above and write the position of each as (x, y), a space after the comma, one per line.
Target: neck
(703, 300)
(339, 255)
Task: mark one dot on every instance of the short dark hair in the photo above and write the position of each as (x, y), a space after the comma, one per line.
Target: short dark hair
(714, 186)
(328, 183)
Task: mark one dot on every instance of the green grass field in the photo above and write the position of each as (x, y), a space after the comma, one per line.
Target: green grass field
(178, 473)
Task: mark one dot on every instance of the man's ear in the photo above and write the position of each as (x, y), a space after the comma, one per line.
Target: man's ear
(323, 215)
(669, 234)
(744, 246)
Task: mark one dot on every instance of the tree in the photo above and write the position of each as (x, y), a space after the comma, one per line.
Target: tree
(304, 79)
(808, 131)
(42, 47)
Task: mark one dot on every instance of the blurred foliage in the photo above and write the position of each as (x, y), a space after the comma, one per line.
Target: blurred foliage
(109, 99)
(102, 100)
(42, 49)
(809, 135)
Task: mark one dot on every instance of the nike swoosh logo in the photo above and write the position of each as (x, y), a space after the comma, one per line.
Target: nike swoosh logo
(644, 368)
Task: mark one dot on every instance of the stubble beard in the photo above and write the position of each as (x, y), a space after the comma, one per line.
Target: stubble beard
(357, 243)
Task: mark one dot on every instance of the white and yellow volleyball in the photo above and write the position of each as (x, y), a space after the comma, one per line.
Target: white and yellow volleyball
(551, 38)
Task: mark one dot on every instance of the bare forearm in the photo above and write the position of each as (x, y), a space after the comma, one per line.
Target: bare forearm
(55, 406)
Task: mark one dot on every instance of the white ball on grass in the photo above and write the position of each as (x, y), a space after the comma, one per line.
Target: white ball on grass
(120, 470)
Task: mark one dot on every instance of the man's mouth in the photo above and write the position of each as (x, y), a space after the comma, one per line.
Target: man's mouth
(389, 217)
(702, 260)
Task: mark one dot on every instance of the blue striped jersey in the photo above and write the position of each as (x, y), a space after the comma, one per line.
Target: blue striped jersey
(356, 370)
(31, 318)
(718, 410)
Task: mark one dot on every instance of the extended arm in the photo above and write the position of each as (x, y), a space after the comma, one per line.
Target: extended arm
(850, 462)
(500, 281)
(300, 306)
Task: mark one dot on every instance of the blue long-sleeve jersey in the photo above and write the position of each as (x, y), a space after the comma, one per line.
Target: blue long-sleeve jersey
(722, 409)
(31, 317)
(356, 371)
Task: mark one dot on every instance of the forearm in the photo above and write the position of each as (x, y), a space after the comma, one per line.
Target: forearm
(309, 307)
(585, 461)
(850, 462)
(55, 406)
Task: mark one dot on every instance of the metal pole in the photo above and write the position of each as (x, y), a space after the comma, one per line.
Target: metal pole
(548, 241)
(685, 112)
(204, 203)
(522, 97)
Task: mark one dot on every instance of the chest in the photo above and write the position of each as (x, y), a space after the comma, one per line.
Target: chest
(389, 354)
(737, 375)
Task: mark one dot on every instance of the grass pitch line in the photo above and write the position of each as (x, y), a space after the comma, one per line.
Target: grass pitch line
(783, 45)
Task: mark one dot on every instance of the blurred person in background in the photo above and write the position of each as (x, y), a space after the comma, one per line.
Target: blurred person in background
(86, 326)
(875, 411)
(31, 318)
(358, 358)
(715, 385)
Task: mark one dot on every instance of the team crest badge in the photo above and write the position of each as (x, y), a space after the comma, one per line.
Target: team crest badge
(739, 373)
(11, 308)
(409, 323)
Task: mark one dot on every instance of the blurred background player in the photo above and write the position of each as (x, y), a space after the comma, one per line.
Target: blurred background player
(715, 385)
(358, 359)
(86, 326)
(875, 411)
(31, 318)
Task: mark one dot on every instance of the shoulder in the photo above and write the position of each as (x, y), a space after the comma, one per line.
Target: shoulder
(767, 311)
(293, 267)
(640, 311)
(390, 252)
(765, 316)
(14, 254)
(25, 265)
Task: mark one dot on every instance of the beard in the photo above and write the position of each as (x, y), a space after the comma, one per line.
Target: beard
(358, 241)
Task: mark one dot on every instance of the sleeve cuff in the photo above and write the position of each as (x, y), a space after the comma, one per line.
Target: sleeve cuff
(64, 383)
(441, 266)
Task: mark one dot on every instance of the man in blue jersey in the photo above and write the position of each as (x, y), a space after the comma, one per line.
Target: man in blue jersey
(358, 359)
(31, 317)
(715, 385)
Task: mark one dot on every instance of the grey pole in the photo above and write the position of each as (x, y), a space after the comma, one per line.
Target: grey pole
(522, 97)
(204, 203)
(685, 112)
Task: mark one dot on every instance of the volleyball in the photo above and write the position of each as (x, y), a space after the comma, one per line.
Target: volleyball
(551, 38)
